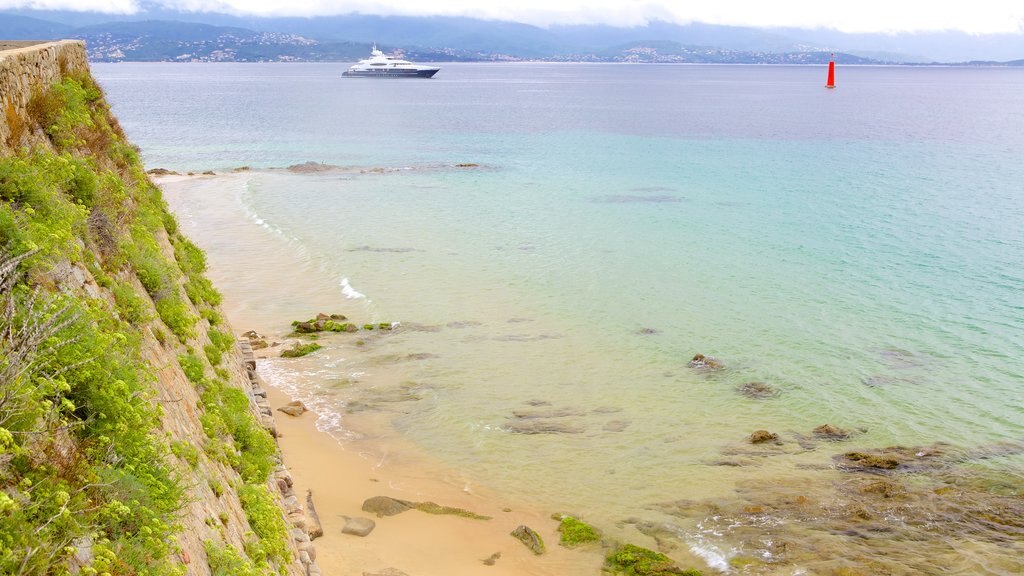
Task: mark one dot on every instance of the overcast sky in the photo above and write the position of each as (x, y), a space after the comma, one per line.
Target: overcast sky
(976, 17)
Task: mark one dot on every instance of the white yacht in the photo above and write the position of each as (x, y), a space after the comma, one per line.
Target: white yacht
(380, 66)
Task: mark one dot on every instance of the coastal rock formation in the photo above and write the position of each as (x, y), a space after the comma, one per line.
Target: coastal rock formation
(530, 539)
(161, 172)
(358, 526)
(705, 363)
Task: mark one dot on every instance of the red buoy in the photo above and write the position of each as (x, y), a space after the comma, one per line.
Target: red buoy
(831, 83)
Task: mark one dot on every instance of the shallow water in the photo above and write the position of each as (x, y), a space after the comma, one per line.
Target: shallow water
(859, 251)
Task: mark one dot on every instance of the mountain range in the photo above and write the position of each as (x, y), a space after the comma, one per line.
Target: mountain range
(158, 34)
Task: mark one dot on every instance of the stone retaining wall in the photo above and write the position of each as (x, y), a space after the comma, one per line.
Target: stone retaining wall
(24, 69)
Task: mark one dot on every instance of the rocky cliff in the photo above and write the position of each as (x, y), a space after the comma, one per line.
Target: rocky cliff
(133, 435)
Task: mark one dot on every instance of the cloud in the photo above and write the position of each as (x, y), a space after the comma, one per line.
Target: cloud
(976, 17)
(107, 6)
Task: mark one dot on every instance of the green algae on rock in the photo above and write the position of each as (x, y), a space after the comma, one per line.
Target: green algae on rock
(298, 350)
(633, 560)
(576, 532)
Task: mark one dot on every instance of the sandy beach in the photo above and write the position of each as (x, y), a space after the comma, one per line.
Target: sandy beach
(343, 476)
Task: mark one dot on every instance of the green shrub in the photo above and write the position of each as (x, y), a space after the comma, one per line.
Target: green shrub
(213, 354)
(216, 487)
(266, 521)
(222, 340)
(201, 291)
(176, 316)
(97, 464)
(190, 258)
(211, 316)
(192, 366)
(186, 452)
(130, 306)
(226, 561)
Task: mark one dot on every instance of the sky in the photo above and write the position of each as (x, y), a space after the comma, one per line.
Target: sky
(888, 16)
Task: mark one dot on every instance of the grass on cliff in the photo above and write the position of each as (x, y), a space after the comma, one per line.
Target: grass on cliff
(83, 459)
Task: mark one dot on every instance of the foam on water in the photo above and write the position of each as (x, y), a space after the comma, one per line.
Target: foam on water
(349, 292)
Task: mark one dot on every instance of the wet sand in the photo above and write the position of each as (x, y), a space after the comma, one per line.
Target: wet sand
(343, 476)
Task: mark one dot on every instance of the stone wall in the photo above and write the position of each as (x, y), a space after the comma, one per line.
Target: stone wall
(212, 511)
(25, 69)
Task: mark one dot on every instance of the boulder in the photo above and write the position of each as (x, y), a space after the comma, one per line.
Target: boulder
(830, 432)
(386, 572)
(358, 526)
(760, 436)
(295, 408)
(708, 363)
(386, 506)
(492, 559)
(530, 539)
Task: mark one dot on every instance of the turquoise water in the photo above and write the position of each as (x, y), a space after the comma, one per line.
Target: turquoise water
(860, 251)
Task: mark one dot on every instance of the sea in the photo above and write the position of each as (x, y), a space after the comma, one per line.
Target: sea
(552, 244)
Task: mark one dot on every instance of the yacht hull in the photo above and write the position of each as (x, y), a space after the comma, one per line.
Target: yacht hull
(392, 73)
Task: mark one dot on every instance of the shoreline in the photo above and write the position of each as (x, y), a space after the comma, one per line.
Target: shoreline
(342, 476)
(797, 493)
(374, 460)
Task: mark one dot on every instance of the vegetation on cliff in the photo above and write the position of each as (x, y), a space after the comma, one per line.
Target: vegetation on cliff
(92, 271)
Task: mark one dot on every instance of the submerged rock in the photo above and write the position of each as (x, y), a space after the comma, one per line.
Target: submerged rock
(760, 436)
(757, 390)
(433, 508)
(707, 363)
(530, 539)
(615, 425)
(539, 426)
(559, 413)
(864, 460)
(386, 506)
(830, 432)
(386, 572)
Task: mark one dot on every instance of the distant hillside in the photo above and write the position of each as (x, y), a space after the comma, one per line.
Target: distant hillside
(160, 34)
(14, 27)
